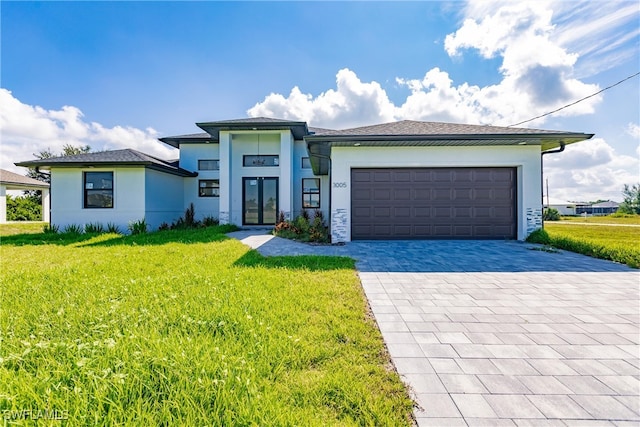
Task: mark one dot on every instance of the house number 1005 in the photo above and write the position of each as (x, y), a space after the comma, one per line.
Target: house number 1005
(339, 185)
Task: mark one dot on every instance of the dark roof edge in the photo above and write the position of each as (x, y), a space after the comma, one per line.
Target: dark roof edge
(146, 164)
(440, 137)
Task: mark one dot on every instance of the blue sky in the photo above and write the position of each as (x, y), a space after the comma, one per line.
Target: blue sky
(121, 74)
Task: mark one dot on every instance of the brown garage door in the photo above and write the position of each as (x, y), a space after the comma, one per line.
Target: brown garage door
(433, 203)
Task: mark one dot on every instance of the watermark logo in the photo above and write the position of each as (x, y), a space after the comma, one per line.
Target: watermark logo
(34, 414)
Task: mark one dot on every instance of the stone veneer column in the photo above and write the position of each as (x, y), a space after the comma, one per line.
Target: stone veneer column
(224, 214)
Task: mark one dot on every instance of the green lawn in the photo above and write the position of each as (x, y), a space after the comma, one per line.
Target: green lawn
(20, 228)
(620, 244)
(188, 328)
(629, 220)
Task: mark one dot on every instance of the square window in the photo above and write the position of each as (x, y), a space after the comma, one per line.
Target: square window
(209, 188)
(306, 163)
(98, 190)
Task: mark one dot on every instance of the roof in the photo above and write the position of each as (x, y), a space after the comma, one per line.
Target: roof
(212, 134)
(14, 179)
(417, 133)
(110, 158)
(607, 204)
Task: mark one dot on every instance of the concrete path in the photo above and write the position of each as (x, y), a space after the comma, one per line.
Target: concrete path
(494, 333)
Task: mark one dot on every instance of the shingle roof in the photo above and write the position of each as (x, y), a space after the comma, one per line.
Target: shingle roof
(413, 127)
(113, 157)
(8, 177)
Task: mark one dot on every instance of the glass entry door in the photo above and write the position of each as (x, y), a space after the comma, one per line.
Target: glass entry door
(259, 201)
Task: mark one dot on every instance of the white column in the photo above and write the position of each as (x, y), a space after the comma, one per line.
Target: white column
(224, 214)
(286, 174)
(3, 204)
(46, 203)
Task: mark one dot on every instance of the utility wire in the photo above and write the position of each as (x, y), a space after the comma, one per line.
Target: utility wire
(574, 103)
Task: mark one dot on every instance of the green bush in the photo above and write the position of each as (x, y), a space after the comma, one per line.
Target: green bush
(73, 229)
(539, 236)
(138, 227)
(94, 228)
(551, 214)
(25, 208)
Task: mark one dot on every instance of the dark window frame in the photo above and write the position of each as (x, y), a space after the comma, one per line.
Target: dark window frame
(308, 195)
(86, 192)
(201, 187)
(308, 161)
(216, 168)
(268, 160)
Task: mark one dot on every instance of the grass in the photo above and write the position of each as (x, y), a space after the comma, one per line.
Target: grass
(188, 328)
(625, 220)
(11, 228)
(620, 244)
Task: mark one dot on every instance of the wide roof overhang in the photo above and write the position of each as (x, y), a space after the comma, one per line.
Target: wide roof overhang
(319, 146)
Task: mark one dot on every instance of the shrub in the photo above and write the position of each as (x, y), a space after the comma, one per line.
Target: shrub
(164, 226)
(210, 221)
(551, 214)
(51, 229)
(93, 228)
(305, 214)
(190, 216)
(113, 228)
(539, 236)
(25, 208)
(138, 227)
(73, 229)
(302, 229)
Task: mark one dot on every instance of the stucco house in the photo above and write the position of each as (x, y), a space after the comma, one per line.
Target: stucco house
(401, 180)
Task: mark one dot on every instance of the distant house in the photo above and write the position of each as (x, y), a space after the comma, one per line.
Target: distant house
(13, 181)
(598, 209)
(401, 180)
(565, 208)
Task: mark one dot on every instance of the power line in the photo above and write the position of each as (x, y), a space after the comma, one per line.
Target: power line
(579, 100)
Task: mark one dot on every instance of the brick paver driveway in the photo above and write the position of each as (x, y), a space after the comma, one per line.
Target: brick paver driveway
(495, 333)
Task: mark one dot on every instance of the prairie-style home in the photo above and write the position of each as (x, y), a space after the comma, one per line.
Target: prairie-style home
(400, 180)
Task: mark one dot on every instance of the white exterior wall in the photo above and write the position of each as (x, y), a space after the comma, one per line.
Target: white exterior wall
(3, 204)
(246, 143)
(68, 193)
(189, 156)
(163, 198)
(300, 151)
(525, 158)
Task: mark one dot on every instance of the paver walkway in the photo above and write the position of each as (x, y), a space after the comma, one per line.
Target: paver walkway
(495, 333)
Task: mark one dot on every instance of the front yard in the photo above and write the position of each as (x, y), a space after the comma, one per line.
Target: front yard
(188, 328)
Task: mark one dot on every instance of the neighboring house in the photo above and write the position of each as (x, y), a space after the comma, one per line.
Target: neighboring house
(598, 209)
(564, 208)
(398, 180)
(14, 181)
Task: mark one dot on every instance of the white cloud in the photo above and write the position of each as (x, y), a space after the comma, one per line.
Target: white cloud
(588, 171)
(351, 104)
(27, 129)
(633, 129)
(537, 73)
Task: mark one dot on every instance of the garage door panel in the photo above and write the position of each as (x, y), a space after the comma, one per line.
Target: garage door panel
(433, 203)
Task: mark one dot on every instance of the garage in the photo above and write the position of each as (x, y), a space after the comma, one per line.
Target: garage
(433, 203)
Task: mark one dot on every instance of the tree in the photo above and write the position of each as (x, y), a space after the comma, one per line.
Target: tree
(67, 150)
(631, 202)
(25, 208)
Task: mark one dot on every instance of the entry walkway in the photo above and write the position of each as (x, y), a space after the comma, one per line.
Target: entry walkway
(500, 333)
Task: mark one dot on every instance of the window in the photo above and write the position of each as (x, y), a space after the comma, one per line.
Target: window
(209, 188)
(311, 193)
(208, 165)
(98, 190)
(306, 163)
(270, 160)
